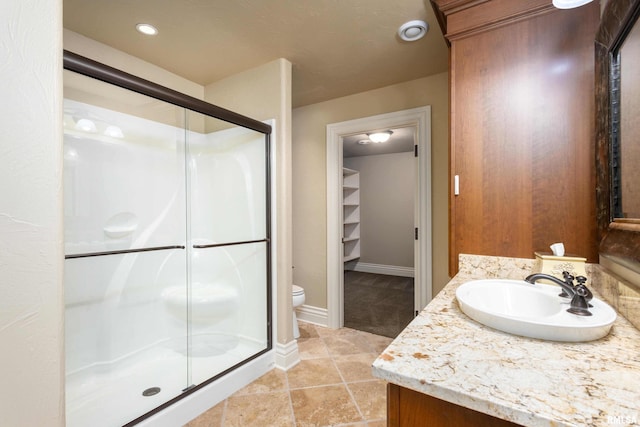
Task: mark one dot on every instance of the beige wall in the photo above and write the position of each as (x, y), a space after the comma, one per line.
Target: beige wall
(265, 93)
(309, 174)
(31, 252)
(387, 185)
(91, 49)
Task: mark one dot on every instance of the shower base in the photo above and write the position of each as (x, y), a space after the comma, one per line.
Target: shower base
(116, 397)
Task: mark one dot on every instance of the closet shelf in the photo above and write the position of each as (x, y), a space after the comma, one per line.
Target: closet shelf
(347, 171)
(351, 204)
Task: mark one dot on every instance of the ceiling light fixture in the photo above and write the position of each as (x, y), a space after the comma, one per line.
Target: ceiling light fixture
(413, 30)
(569, 4)
(147, 29)
(378, 137)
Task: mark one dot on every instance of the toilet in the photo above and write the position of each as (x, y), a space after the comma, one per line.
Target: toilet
(298, 300)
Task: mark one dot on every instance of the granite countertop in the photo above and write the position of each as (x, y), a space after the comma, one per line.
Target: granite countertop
(445, 354)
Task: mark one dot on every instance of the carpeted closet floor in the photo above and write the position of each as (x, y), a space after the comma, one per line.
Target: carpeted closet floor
(377, 303)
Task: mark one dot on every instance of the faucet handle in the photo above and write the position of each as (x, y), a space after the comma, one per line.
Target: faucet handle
(579, 304)
(581, 281)
(568, 279)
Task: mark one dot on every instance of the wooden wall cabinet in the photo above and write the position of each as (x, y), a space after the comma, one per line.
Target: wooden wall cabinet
(522, 127)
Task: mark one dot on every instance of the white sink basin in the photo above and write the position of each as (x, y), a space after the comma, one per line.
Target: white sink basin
(534, 311)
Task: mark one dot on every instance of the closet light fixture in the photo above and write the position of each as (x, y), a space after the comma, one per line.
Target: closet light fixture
(378, 137)
(147, 29)
(413, 30)
(569, 4)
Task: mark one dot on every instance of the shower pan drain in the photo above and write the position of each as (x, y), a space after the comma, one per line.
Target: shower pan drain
(151, 391)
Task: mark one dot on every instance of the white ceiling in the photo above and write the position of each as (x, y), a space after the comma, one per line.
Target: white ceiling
(337, 47)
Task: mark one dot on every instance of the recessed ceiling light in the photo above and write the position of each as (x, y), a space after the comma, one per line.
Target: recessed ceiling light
(413, 30)
(147, 29)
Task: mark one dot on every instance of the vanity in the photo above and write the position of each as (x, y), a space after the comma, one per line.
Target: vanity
(445, 369)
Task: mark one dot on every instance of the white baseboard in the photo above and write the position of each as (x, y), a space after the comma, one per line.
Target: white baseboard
(311, 314)
(390, 270)
(287, 355)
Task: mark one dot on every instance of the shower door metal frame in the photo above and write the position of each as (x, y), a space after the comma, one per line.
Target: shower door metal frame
(93, 69)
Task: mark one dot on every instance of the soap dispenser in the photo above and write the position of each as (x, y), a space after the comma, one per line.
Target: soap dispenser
(557, 261)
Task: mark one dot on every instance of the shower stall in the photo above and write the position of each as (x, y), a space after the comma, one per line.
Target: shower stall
(167, 244)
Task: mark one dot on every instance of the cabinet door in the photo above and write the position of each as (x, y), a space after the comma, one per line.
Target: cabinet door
(522, 136)
(408, 408)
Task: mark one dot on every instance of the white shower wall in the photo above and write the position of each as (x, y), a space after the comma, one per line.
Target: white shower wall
(120, 193)
(228, 204)
(228, 186)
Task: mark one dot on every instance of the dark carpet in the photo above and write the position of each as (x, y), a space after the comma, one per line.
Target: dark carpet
(377, 303)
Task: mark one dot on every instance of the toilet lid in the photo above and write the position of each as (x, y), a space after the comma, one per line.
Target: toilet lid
(297, 290)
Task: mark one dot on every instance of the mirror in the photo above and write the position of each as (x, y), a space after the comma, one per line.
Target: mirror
(617, 132)
(629, 136)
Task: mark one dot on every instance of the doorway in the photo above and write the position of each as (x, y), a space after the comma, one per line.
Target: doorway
(379, 180)
(418, 120)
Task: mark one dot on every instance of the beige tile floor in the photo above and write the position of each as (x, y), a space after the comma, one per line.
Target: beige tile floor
(331, 386)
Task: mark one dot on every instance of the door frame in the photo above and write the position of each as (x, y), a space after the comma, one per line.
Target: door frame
(420, 118)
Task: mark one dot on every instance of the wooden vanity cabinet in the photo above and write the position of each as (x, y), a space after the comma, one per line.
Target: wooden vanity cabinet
(409, 408)
(522, 127)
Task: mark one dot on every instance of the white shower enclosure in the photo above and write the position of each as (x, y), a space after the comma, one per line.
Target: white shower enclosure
(167, 254)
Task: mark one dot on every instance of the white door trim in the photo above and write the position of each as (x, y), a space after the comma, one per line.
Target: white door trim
(420, 118)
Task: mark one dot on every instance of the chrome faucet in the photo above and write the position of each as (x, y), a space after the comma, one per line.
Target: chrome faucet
(580, 295)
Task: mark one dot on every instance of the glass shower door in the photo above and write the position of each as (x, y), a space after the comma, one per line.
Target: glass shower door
(228, 246)
(167, 252)
(125, 258)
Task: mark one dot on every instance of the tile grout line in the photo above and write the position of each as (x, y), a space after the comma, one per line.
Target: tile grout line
(344, 382)
(224, 412)
(309, 387)
(332, 356)
(293, 414)
(370, 341)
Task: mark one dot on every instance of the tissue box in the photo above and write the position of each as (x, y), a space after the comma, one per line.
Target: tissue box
(554, 265)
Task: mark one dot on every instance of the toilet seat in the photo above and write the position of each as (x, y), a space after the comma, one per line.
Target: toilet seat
(298, 298)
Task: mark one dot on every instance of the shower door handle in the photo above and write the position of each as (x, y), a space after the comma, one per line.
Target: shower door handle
(123, 251)
(244, 242)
